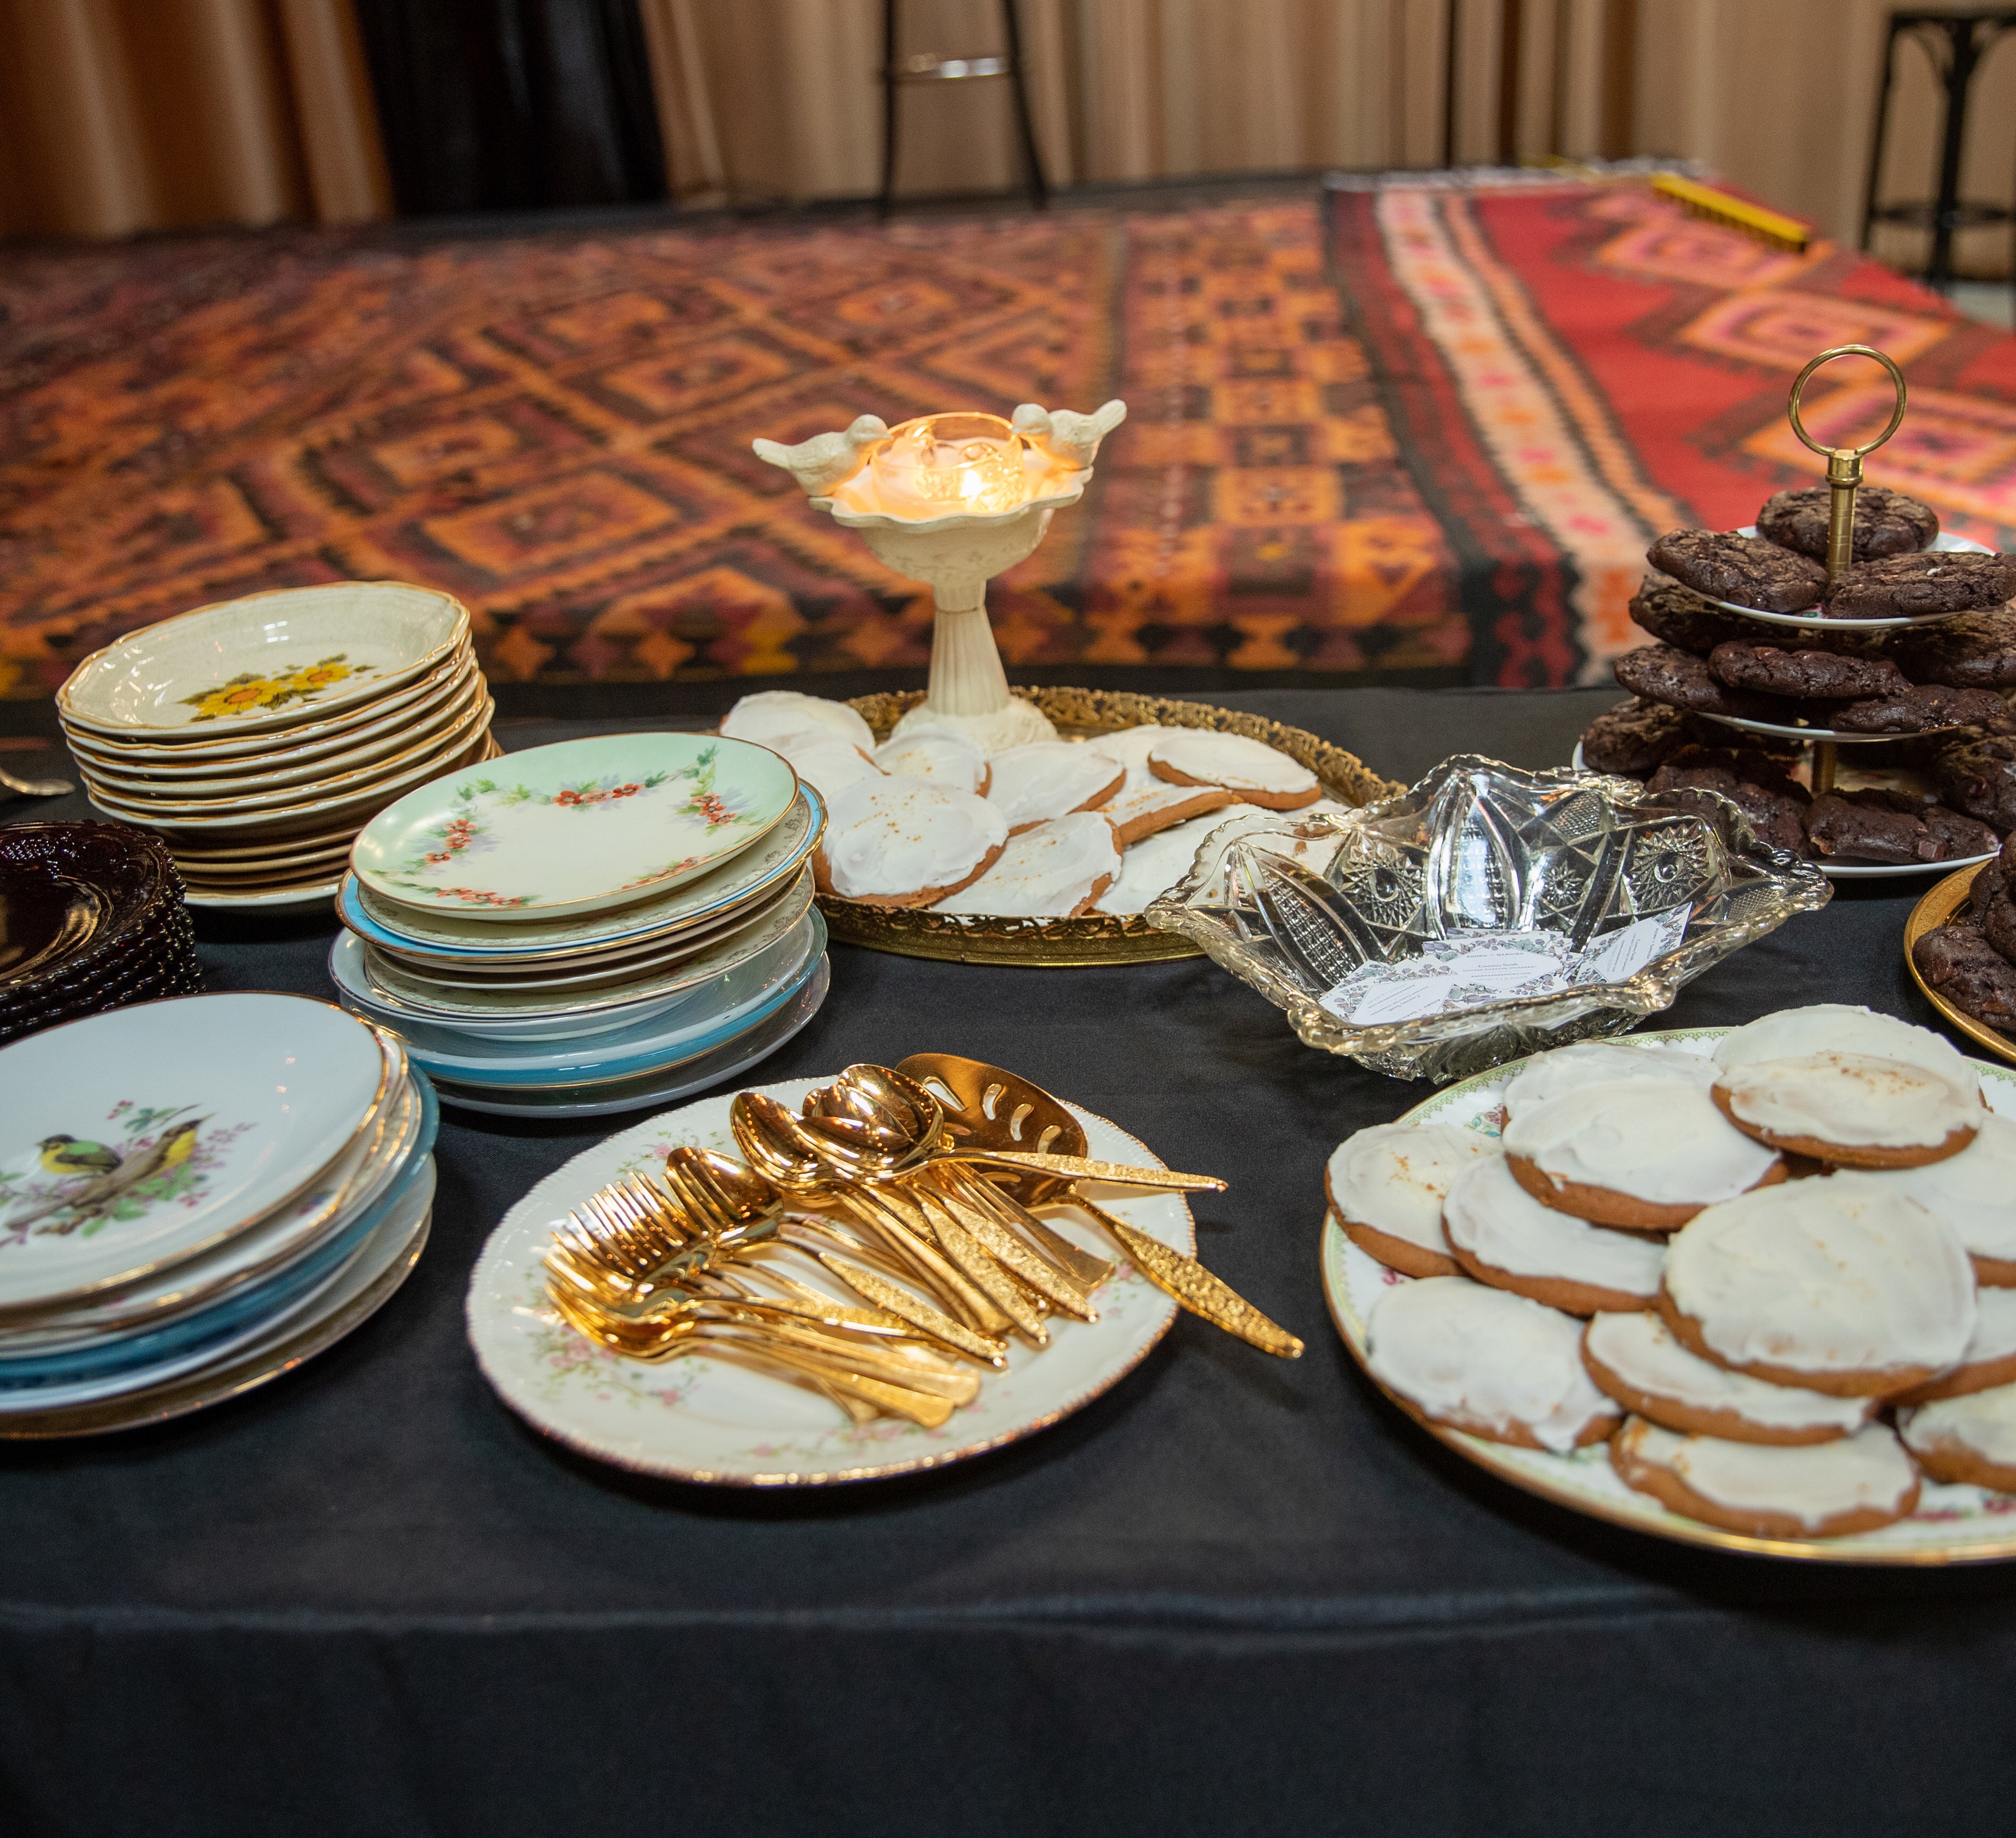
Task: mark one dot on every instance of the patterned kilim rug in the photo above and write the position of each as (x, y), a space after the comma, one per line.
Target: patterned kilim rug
(1571, 369)
(1433, 449)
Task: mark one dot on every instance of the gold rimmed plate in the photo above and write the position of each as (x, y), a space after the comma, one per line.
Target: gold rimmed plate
(1953, 1524)
(1937, 908)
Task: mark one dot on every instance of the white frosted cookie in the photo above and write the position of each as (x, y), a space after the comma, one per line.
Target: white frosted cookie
(1150, 868)
(1823, 1489)
(1501, 1236)
(1975, 1191)
(1969, 1438)
(829, 766)
(1842, 1284)
(1051, 779)
(948, 760)
(1137, 812)
(1057, 870)
(1646, 1153)
(1990, 1357)
(1487, 1362)
(1551, 1075)
(1131, 746)
(1250, 770)
(1852, 1107)
(1386, 1184)
(903, 842)
(1635, 1358)
(1835, 1028)
(773, 716)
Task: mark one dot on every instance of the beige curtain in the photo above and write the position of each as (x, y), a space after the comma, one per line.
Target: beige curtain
(124, 115)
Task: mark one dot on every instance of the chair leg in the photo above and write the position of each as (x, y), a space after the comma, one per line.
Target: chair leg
(887, 199)
(1959, 75)
(1882, 132)
(1039, 190)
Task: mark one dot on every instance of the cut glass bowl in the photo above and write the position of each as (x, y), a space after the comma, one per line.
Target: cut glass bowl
(1486, 913)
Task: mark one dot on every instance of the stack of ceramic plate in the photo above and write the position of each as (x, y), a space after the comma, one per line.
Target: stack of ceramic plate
(91, 918)
(195, 1195)
(591, 926)
(258, 736)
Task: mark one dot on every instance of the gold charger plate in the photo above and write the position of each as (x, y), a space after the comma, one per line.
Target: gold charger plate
(1953, 1524)
(1934, 910)
(1097, 938)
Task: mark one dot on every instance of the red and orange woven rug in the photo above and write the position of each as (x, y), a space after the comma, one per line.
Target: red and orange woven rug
(1431, 435)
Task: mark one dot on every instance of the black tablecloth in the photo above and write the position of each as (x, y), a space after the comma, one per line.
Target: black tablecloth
(1232, 1595)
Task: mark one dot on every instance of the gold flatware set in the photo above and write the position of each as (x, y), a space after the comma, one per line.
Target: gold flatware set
(925, 1211)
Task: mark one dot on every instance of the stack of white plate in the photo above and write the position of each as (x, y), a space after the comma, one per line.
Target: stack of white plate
(258, 735)
(196, 1195)
(589, 927)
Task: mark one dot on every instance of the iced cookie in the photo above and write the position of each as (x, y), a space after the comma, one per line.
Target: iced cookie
(1825, 1027)
(1646, 1155)
(1151, 868)
(1975, 1193)
(1250, 770)
(1635, 1358)
(1501, 1236)
(1969, 1438)
(1386, 1185)
(1843, 1285)
(1851, 1108)
(948, 760)
(1487, 1361)
(1057, 870)
(1990, 1357)
(829, 766)
(773, 716)
(1051, 779)
(1824, 1490)
(1551, 1075)
(902, 842)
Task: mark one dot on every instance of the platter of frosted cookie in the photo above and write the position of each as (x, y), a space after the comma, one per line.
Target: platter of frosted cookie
(1751, 1289)
(1046, 852)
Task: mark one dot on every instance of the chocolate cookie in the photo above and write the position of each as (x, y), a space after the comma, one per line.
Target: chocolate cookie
(1965, 836)
(1976, 651)
(1998, 924)
(1748, 570)
(1632, 738)
(1884, 827)
(1675, 617)
(1742, 665)
(1922, 705)
(1662, 673)
(1979, 778)
(1886, 522)
(1756, 784)
(1969, 972)
(1902, 587)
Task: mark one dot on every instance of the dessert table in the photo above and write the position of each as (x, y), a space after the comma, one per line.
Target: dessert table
(1233, 1593)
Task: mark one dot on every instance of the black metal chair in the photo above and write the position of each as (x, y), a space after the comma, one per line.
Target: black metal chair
(1955, 42)
(929, 67)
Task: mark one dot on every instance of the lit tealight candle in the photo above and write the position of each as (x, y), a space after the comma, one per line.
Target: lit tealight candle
(940, 464)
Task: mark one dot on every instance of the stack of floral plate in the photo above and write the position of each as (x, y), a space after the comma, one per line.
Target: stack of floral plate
(592, 926)
(195, 1196)
(258, 736)
(91, 918)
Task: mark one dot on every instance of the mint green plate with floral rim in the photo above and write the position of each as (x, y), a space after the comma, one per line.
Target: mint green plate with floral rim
(1953, 1524)
(702, 1419)
(582, 826)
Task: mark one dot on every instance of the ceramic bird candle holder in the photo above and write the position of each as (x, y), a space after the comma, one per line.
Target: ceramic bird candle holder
(952, 500)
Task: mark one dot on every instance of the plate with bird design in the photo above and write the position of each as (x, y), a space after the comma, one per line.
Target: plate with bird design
(133, 1141)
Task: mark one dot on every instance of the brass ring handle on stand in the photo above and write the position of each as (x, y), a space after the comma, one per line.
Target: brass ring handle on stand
(1843, 471)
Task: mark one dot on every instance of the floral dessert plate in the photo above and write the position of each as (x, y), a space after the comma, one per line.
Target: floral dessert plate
(696, 1418)
(708, 900)
(138, 1138)
(267, 661)
(1953, 1524)
(582, 826)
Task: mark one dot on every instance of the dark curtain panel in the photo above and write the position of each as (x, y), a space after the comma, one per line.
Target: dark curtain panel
(499, 105)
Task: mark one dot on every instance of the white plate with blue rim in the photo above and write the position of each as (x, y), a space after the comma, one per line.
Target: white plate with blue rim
(134, 1140)
(581, 826)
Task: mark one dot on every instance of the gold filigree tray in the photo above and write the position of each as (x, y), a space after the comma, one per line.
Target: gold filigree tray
(1937, 908)
(1097, 938)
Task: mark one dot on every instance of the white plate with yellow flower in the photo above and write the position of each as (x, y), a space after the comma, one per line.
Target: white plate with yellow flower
(582, 826)
(265, 663)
